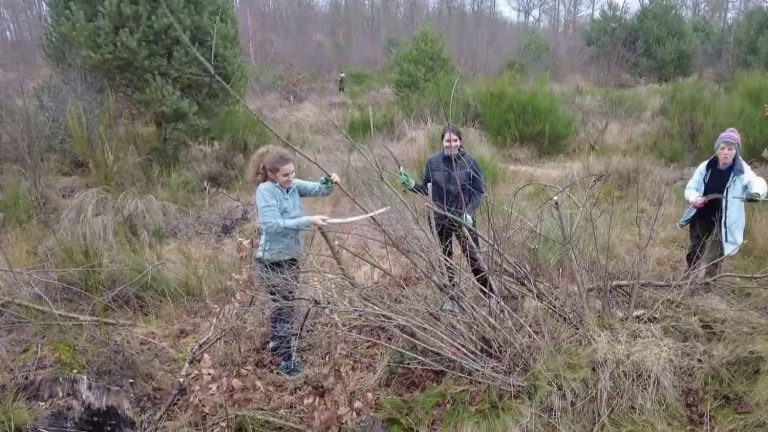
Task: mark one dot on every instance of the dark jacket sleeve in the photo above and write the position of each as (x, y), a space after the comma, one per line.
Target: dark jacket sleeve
(477, 186)
(421, 187)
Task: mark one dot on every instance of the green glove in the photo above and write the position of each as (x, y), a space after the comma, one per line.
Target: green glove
(753, 197)
(467, 219)
(406, 180)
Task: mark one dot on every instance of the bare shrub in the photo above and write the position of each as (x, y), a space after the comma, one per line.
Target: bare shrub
(27, 137)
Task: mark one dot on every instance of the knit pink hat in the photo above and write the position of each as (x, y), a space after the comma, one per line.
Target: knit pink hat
(730, 135)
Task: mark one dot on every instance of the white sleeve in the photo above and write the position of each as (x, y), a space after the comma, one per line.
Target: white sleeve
(753, 182)
(695, 187)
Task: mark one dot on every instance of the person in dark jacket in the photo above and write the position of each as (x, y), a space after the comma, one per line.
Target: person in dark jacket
(457, 189)
(342, 82)
(282, 223)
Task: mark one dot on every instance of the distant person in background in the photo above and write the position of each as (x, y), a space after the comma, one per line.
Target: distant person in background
(717, 192)
(282, 223)
(342, 81)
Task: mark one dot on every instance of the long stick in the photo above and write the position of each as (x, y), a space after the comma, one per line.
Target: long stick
(673, 283)
(82, 318)
(337, 256)
(357, 218)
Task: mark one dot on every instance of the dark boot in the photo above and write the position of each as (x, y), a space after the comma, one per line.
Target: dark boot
(291, 365)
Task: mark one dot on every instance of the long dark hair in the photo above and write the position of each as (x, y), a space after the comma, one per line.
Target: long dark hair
(449, 128)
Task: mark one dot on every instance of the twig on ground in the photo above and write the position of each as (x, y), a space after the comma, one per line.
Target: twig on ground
(202, 346)
(83, 318)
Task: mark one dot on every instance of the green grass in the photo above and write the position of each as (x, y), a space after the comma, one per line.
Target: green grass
(66, 356)
(697, 111)
(383, 120)
(450, 409)
(737, 374)
(179, 187)
(15, 416)
(362, 81)
(512, 113)
(240, 131)
(16, 206)
(83, 265)
(619, 102)
(491, 169)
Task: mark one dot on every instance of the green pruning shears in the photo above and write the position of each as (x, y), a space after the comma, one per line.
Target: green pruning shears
(326, 181)
(405, 179)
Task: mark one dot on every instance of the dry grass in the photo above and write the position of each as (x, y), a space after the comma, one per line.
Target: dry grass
(556, 352)
(640, 367)
(98, 218)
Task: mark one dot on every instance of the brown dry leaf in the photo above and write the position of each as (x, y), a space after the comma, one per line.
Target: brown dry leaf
(236, 384)
(744, 407)
(327, 419)
(206, 362)
(316, 423)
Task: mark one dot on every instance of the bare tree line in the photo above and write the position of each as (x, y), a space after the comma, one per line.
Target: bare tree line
(22, 23)
(323, 36)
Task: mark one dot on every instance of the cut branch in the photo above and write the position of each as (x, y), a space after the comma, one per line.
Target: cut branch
(82, 318)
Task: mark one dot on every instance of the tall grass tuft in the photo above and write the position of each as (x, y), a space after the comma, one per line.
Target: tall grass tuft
(115, 147)
(513, 113)
(106, 243)
(365, 122)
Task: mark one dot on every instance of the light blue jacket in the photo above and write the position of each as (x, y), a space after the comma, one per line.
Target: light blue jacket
(281, 217)
(742, 181)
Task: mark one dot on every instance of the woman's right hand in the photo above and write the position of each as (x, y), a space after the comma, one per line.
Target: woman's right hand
(698, 203)
(406, 180)
(319, 220)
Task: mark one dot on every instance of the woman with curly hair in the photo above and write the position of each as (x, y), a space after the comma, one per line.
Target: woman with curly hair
(282, 223)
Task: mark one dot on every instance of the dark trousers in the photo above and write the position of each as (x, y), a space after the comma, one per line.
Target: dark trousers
(446, 231)
(703, 231)
(281, 279)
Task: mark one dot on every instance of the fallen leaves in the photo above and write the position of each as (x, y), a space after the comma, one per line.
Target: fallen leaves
(326, 398)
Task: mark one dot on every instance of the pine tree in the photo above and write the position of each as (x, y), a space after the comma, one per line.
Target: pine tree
(664, 41)
(134, 46)
(418, 65)
(751, 36)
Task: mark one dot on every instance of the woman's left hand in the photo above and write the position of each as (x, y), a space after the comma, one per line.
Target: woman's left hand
(335, 178)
